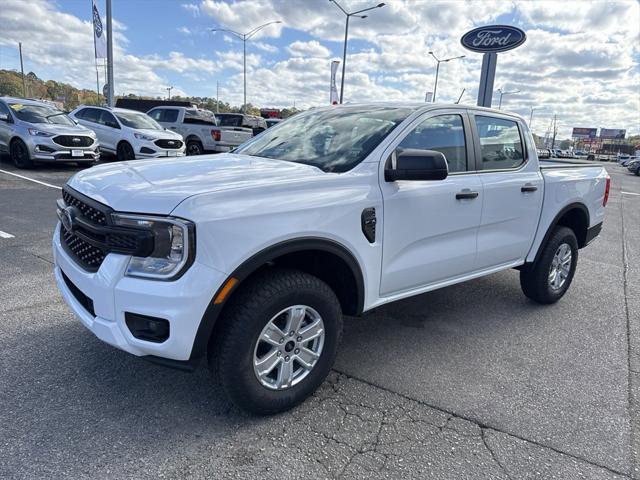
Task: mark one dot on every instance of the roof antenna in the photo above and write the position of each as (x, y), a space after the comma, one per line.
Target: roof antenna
(460, 97)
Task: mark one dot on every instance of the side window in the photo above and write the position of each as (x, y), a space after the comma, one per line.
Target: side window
(107, 119)
(445, 134)
(500, 143)
(170, 115)
(4, 110)
(157, 114)
(90, 115)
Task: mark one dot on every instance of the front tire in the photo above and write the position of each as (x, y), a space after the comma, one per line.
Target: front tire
(124, 152)
(278, 340)
(20, 154)
(548, 279)
(194, 147)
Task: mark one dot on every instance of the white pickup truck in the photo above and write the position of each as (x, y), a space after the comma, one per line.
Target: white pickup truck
(252, 260)
(200, 131)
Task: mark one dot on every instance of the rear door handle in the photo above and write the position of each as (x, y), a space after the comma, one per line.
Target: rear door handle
(466, 194)
(528, 188)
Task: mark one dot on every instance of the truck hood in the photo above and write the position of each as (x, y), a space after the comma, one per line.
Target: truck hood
(157, 186)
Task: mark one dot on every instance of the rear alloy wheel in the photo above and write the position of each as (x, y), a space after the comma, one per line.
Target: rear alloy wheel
(549, 278)
(20, 154)
(194, 147)
(277, 341)
(125, 152)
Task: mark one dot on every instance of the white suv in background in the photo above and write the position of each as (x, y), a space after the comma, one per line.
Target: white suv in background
(129, 134)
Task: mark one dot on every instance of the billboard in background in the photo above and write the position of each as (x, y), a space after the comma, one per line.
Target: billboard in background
(581, 132)
(612, 133)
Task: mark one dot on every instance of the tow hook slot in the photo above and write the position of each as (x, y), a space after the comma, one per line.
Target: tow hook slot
(368, 219)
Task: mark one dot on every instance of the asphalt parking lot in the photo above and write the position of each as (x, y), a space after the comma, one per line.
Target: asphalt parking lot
(472, 381)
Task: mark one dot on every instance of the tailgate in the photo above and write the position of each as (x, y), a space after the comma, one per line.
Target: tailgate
(235, 135)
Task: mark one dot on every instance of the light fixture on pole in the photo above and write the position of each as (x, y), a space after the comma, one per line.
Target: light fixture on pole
(346, 34)
(244, 37)
(502, 93)
(439, 61)
(169, 92)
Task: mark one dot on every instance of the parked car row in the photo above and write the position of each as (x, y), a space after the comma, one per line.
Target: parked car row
(36, 131)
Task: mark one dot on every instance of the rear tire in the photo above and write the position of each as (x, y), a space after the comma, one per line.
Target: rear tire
(548, 279)
(19, 154)
(276, 298)
(125, 152)
(194, 147)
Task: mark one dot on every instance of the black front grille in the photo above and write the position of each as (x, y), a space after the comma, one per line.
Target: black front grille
(89, 212)
(73, 141)
(85, 301)
(89, 256)
(163, 143)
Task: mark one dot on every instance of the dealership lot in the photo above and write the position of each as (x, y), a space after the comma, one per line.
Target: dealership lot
(472, 381)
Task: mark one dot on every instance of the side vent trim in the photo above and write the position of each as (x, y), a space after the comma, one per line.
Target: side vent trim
(368, 220)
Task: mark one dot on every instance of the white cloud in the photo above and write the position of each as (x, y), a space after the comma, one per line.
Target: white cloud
(192, 8)
(312, 48)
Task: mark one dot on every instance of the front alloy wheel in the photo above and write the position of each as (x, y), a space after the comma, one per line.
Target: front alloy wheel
(289, 347)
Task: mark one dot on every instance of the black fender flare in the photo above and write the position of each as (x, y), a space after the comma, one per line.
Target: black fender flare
(556, 219)
(208, 321)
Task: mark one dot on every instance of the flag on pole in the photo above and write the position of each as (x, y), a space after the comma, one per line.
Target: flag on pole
(99, 37)
(333, 92)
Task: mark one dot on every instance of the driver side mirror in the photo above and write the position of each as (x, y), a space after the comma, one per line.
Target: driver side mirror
(416, 164)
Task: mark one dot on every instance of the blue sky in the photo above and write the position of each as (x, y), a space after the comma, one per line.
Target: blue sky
(580, 61)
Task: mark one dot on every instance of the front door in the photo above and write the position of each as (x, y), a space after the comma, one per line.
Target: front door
(430, 227)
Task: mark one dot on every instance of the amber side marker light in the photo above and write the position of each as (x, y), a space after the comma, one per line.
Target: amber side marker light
(225, 290)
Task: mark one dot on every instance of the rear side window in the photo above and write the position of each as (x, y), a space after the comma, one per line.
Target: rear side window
(157, 114)
(90, 114)
(199, 117)
(445, 134)
(500, 143)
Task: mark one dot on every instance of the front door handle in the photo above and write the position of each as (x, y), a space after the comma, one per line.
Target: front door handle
(528, 187)
(466, 194)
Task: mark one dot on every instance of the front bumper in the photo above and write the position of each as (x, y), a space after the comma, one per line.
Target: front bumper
(44, 149)
(151, 150)
(182, 302)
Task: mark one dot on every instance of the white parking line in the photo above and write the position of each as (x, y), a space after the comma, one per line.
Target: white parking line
(31, 179)
(630, 193)
(5, 235)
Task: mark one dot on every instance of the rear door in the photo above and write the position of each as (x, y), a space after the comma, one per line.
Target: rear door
(89, 118)
(512, 186)
(430, 227)
(111, 131)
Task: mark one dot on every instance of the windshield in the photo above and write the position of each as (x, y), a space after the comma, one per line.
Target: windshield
(334, 140)
(138, 120)
(40, 114)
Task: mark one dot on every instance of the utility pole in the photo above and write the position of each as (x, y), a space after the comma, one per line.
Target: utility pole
(439, 61)
(530, 118)
(24, 83)
(110, 85)
(555, 131)
(244, 37)
(346, 36)
(169, 90)
(217, 97)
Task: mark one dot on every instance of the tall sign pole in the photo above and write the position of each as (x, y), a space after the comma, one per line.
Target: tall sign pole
(109, 56)
(24, 83)
(490, 40)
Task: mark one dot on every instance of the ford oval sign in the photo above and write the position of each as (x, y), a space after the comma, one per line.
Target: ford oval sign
(493, 38)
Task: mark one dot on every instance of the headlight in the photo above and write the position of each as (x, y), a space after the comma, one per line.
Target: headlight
(142, 136)
(39, 133)
(173, 246)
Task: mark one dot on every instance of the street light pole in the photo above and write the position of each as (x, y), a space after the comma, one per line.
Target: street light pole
(438, 62)
(244, 37)
(530, 118)
(169, 91)
(346, 36)
(504, 93)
